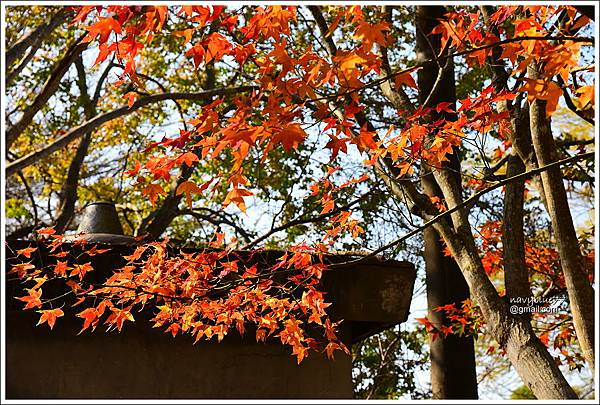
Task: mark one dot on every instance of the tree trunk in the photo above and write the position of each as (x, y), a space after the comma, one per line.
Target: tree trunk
(516, 277)
(68, 193)
(453, 372)
(528, 355)
(581, 293)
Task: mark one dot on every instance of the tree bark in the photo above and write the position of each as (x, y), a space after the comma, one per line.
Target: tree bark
(516, 277)
(528, 355)
(525, 351)
(453, 371)
(579, 289)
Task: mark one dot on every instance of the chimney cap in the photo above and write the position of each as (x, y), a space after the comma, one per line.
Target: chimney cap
(100, 223)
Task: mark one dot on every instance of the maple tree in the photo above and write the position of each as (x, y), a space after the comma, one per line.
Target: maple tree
(262, 92)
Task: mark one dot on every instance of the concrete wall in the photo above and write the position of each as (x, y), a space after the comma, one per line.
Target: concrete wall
(142, 362)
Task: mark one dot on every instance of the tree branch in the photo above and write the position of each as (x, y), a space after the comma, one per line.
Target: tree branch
(35, 37)
(587, 11)
(516, 277)
(213, 220)
(470, 201)
(50, 87)
(31, 198)
(301, 221)
(87, 126)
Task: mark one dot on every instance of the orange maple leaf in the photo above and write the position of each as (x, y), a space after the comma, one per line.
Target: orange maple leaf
(60, 269)
(186, 34)
(236, 196)
(330, 348)
(173, 328)
(21, 269)
(46, 231)
(189, 188)
(543, 90)
(153, 191)
(81, 270)
(118, 317)
(90, 316)
(348, 61)
(26, 252)
(371, 34)
(103, 28)
(187, 158)
(33, 299)
(50, 315)
(586, 96)
(197, 53)
(428, 325)
(290, 136)
(216, 46)
(328, 205)
(130, 97)
(136, 254)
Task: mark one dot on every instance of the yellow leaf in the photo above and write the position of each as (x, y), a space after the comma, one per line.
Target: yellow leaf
(348, 61)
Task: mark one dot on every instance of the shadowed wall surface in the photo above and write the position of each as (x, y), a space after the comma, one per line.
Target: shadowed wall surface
(142, 362)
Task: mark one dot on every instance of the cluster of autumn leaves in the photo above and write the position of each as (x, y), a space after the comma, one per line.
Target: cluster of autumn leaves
(205, 293)
(293, 81)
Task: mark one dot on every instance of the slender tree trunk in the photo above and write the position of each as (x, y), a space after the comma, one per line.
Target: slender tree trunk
(581, 293)
(516, 277)
(453, 372)
(159, 220)
(68, 193)
(528, 355)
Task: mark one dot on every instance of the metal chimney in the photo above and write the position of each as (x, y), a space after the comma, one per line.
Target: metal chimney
(100, 223)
